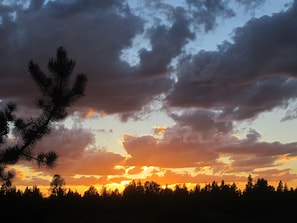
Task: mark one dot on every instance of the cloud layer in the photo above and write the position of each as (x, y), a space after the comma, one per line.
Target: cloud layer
(204, 92)
(253, 74)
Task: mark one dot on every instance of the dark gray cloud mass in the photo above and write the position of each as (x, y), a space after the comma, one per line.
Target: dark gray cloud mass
(207, 12)
(94, 34)
(204, 122)
(253, 74)
(166, 43)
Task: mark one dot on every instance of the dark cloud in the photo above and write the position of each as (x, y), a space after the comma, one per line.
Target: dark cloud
(66, 143)
(206, 12)
(204, 122)
(94, 34)
(261, 149)
(253, 74)
(167, 43)
(261, 57)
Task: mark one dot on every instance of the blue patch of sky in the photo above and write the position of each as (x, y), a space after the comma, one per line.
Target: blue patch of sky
(23, 3)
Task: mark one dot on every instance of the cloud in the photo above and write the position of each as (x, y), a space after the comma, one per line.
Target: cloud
(205, 93)
(237, 79)
(206, 12)
(250, 156)
(183, 147)
(276, 175)
(253, 74)
(166, 43)
(28, 176)
(251, 4)
(94, 34)
(218, 158)
(66, 143)
(78, 155)
(159, 130)
(149, 151)
(204, 122)
(93, 163)
(252, 145)
(85, 180)
(172, 177)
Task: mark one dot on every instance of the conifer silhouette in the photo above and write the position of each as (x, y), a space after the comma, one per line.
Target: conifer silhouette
(56, 96)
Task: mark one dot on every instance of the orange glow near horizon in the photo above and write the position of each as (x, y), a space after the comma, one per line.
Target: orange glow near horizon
(89, 113)
(165, 179)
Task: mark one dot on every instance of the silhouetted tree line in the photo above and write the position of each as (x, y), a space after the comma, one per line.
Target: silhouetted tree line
(149, 202)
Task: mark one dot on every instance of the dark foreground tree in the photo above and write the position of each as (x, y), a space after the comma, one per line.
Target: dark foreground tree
(56, 96)
(57, 186)
(92, 192)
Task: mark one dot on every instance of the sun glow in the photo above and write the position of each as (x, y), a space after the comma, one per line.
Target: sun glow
(90, 113)
(159, 130)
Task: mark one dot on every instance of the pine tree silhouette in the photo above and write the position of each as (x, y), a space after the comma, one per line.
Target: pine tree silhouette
(56, 96)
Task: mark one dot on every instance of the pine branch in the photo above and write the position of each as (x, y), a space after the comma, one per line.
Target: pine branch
(55, 99)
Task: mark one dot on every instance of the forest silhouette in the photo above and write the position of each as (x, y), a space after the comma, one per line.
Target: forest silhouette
(149, 202)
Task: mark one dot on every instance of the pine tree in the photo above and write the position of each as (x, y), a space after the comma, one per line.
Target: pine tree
(280, 187)
(249, 186)
(57, 186)
(56, 96)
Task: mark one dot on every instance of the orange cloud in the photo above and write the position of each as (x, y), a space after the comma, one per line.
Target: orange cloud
(149, 151)
(158, 158)
(78, 154)
(89, 113)
(159, 130)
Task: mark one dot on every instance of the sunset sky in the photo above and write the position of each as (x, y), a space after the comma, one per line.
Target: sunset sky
(185, 91)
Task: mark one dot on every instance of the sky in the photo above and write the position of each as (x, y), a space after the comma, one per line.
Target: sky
(188, 91)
